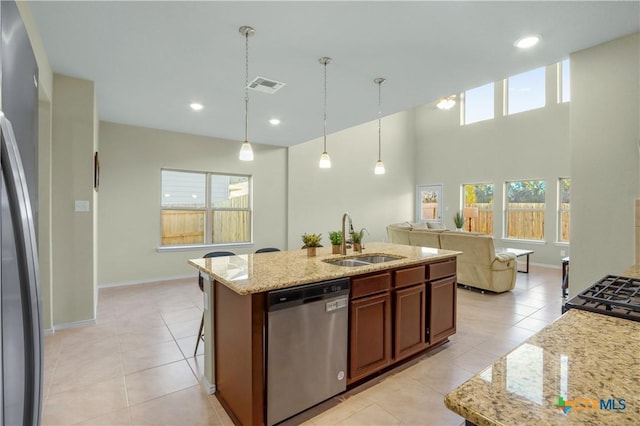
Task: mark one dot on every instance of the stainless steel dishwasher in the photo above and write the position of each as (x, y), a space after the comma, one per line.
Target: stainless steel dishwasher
(306, 346)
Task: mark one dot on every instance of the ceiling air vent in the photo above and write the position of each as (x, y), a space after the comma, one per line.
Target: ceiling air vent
(265, 85)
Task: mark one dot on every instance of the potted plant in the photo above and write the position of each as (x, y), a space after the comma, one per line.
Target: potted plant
(459, 221)
(311, 241)
(356, 239)
(336, 241)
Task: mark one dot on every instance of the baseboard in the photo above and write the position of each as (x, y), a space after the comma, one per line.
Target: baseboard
(208, 387)
(48, 331)
(544, 265)
(147, 281)
(74, 324)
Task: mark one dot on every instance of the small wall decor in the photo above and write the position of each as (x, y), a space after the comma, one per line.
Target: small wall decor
(96, 172)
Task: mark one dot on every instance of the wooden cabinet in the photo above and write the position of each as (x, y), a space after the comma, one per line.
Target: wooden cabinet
(442, 309)
(409, 321)
(370, 335)
(399, 313)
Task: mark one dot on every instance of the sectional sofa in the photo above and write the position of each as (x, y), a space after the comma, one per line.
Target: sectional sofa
(479, 266)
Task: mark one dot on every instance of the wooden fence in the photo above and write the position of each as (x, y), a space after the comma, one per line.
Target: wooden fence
(188, 226)
(525, 220)
(484, 221)
(182, 227)
(564, 223)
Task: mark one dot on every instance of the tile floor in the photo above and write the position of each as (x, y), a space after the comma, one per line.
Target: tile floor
(136, 365)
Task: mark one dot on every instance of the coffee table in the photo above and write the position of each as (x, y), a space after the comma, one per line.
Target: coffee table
(518, 253)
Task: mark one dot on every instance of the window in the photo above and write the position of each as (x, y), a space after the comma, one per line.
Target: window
(478, 104)
(524, 209)
(564, 202)
(205, 208)
(429, 202)
(565, 82)
(480, 195)
(526, 91)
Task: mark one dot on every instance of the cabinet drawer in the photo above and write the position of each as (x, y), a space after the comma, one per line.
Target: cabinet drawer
(363, 286)
(441, 269)
(409, 276)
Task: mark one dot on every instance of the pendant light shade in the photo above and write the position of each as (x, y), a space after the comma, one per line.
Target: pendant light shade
(325, 160)
(246, 152)
(379, 169)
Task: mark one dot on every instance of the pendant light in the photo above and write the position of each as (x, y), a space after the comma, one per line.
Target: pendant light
(379, 170)
(325, 161)
(246, 152)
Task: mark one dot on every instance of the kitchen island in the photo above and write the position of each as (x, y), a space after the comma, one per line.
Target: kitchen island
(583, 369)
(397, 309)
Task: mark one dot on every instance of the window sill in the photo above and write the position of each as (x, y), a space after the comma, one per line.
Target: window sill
(517, 240)
(198, 247)
(562, 244)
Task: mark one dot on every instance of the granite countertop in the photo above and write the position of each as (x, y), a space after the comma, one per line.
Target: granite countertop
(256, 273)
(582, 356)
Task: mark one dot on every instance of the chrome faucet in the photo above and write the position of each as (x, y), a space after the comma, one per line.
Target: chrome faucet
(343, 244)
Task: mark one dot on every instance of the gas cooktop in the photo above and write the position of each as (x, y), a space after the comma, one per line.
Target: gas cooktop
(612, 295)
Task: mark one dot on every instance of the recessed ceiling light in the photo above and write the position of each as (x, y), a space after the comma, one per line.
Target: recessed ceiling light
(274, 121)
(527, 41)
(196, 106)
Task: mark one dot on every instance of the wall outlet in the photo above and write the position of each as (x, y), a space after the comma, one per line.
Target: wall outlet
(82, 205)
(563, 253)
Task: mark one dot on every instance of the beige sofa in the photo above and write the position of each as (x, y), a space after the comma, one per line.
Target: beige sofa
(478, 267)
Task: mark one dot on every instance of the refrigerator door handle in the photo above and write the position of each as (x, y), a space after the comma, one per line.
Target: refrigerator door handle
(22, 216)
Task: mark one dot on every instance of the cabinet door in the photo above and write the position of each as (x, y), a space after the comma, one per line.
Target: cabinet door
(442, 309)
(409, 329)
(370, 335)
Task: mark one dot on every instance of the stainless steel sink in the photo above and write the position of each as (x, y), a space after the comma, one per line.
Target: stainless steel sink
(347, 262)
(378, 258)
(362, 260)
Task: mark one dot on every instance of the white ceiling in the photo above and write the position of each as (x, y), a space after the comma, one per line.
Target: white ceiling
(151, 59)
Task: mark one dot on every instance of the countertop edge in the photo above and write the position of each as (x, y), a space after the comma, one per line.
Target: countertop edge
(339, 272)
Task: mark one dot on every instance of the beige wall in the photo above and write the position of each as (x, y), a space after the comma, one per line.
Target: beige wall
(73, 129)
(319, 197)
(605, 133)
(129, 217)
(528, 145)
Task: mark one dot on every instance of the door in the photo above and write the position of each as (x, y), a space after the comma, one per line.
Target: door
(409, 333)
(429, 203)
(442, 309)
(370, 334)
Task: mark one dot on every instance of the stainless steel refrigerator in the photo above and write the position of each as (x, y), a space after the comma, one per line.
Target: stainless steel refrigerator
(20, 323)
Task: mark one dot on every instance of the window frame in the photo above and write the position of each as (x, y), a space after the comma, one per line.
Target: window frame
(208, 211)
(506, 210)
(561, 83)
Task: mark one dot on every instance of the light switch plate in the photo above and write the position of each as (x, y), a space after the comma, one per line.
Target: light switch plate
(82, 205)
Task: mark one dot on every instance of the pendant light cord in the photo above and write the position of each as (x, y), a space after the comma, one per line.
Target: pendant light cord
(246, 86)
(379, 123)
(325, 106)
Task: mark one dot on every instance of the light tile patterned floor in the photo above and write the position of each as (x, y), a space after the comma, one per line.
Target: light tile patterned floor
(136, 365)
